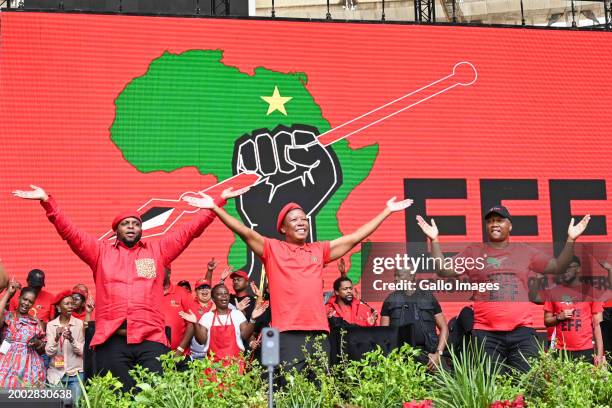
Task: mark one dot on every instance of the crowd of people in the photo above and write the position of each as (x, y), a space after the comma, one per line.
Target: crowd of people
(44, 335)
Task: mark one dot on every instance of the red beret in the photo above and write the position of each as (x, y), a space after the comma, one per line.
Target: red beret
(123, 215)
(81, 289)
(283, 213)
(241, 274)
(60, 296)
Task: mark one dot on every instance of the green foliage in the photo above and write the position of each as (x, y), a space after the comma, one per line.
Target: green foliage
(385, 381)
(104, 392)
(555, 381)
(376, 381)
(474, 382)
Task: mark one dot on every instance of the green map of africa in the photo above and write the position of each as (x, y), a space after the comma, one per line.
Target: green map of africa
(188, 109)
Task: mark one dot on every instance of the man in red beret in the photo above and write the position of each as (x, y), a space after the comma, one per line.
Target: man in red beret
(295, 271)
(129, 283)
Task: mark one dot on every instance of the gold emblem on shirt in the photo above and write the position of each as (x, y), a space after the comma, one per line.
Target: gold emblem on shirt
(145, 268)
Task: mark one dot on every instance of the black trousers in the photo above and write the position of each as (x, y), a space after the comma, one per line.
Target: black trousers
(119, 357)
(509, 348)
(296, 345)
(585, 355)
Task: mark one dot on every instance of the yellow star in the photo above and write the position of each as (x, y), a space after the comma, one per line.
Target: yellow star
(276, 102)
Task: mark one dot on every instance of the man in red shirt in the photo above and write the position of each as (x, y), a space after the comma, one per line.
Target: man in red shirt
(295, 272)
(177, 299)
(502, 319)
(344, 309)
(129, 283)
(576, 323)
(42, 309)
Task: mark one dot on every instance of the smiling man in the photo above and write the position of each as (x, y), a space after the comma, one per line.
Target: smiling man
(295, 272)
(129, 283)
(503, 321)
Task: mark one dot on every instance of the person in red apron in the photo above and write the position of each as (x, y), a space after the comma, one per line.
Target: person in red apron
(223, 330)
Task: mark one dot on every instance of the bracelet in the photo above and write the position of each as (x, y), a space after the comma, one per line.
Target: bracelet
(180, 349)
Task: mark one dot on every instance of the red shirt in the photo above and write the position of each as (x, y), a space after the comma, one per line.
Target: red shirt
(175, 300)
(295, 274)
(511, 267)
(42, 309)
(357, 313)
(129, 281)
(575, 333)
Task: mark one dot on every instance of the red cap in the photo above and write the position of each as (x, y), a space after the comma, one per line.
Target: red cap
(241, 274)
(283, 213)
(202, 282)
(122, 216)
(60, 296)
(81, 289)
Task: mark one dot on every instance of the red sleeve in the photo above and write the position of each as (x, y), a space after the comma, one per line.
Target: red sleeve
(326, 251)
(172, 245)
(84, 245)
(266, 249)
(549, 307)
(539, 261)
(187, 302)
(596, 307)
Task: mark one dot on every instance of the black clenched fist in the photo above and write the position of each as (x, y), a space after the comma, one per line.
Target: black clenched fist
(294, 167)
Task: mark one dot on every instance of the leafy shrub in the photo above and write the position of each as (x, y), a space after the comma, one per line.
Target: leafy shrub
(555, 381)
(474, 382)
(385, 381)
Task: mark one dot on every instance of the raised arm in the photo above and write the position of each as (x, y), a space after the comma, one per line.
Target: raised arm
(6, 297)
(431, 231)
(252, 238)
(200, 332)
(559, 264)
(174, 244)
(84, 245)
(340, 246)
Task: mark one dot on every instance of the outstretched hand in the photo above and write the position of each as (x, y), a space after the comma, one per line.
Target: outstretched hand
(259, 310)
(231, 193)
(430, 230)
(190, 317)
(37, 193)
(394, 206)
(574, 231)
(205, 201)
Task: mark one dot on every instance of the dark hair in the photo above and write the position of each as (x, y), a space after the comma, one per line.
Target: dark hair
(576, 260)
(26, 290)
(185, 284)
(339, 281)
(217, 287)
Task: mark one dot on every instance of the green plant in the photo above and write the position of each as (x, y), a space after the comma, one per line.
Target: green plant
(557, 381)
(103, 392)
(474, 382)
(385, 381)
(316, 387)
